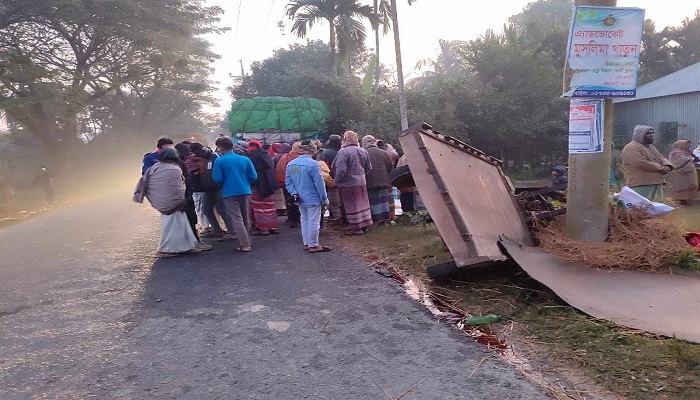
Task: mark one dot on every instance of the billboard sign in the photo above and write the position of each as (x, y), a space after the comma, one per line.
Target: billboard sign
(603, 51)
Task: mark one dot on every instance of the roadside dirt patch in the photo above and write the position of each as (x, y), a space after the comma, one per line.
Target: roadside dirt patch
(592, 359)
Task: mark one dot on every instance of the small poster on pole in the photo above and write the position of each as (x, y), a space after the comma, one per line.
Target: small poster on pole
(586, 126)
(603, 51)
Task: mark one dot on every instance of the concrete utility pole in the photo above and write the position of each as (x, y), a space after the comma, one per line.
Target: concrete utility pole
(589, 177)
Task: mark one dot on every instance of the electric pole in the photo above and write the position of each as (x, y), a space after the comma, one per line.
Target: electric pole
(588, 208)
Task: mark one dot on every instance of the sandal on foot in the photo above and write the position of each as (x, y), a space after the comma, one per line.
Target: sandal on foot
(323, 249)
(242, 250)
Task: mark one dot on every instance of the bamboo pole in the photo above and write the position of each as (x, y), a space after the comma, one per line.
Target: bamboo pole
(589, 177)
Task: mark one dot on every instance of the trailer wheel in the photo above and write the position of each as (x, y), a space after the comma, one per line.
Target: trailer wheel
(401, 177)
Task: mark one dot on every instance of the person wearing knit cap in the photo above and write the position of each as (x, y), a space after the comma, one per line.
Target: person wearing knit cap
(644, 167)
(306, 187)
(264, 213)
(293, 216)
(350, 168)
(379, 189)
(335, 142)
(149, 159)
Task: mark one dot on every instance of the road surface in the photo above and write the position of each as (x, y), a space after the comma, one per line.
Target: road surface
(87, 312)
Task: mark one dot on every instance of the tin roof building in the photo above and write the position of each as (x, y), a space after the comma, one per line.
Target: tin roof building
(670, 104)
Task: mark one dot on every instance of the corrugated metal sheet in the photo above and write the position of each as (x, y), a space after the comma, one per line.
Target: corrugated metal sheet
(664, 304)
(686, 80)
(683, 109)
(466, 194)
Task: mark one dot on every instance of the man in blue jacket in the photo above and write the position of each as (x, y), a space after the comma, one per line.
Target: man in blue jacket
(235, 174)
(305, 185)
(149, 159)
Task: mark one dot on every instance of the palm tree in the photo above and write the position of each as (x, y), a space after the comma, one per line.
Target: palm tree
(446, 62)
(343, 16)
(381, 9)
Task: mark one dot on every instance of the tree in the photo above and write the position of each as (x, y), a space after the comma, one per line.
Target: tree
(67, 55)
(296, 72)
(544, 25)
(655, 59)
(344, 18)
(540, 15)
(381, 9)
(523, 119)
(447, 60)
(686, 38)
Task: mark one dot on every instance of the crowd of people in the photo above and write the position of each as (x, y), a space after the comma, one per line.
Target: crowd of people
(247, 185)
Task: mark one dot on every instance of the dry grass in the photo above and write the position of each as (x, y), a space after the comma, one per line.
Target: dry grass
(636, 241)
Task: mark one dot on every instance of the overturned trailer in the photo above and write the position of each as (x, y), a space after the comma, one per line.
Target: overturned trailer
(482, 221)
(469, 198)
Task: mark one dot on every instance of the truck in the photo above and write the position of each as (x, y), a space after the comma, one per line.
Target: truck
(277, 119)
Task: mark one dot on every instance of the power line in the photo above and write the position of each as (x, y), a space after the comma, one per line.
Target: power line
(238, 19)
(269, 12)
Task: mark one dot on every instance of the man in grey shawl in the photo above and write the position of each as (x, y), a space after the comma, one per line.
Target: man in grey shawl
(165, 190)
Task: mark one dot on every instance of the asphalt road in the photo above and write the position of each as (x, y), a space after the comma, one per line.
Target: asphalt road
(86, 312)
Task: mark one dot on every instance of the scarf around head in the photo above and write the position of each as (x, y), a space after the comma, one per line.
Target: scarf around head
(195, 163)
(350, 138)
(369, 141)
(682, 145)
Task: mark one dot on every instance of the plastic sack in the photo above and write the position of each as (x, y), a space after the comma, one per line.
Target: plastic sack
(633, 199)
(176, 234)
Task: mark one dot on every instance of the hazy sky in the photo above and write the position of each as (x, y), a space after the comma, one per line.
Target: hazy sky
(254, 32)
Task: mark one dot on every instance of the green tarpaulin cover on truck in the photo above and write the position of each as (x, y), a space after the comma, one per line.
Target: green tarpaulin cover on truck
(282, 114)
